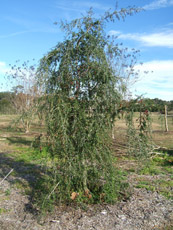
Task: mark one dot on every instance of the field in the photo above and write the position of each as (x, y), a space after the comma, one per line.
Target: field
(21, 191)
(162, 138)
(159, 136)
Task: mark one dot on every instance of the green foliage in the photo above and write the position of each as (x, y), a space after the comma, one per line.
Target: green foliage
(5, 103)
(150, 169)
(7, 192)
(83, 89)
(28, 155)
(47, 191)
(154, 105)
(3, 210)
(138, 137)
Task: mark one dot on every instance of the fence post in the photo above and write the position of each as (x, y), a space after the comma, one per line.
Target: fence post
(166, 120)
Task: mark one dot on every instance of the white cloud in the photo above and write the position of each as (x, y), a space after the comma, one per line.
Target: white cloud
(158, 39)
(158, 83)
(158, 4)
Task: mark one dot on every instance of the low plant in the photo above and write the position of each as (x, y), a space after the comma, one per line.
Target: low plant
(3, 210)
(161, 186)
(7, 192)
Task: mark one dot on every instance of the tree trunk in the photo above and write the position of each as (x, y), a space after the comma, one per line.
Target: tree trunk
(27, 126)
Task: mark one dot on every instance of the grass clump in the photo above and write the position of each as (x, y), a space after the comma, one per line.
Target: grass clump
(31, 155)
(163, 187)
(159, 164)
(150, 169)
(3, 210)
(146, 185)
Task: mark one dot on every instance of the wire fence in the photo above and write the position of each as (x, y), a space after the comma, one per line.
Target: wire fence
(159, 123)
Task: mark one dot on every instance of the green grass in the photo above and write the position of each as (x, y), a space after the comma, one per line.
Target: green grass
(5, 195)
(143, 184)
(30, 155)
(7, 192)
(161, 186)
(3, 210)
(160, 165)
(151, 169)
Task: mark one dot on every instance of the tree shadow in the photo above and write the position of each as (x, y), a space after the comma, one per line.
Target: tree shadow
(26, 173)
(168, 151)
(10, 129)
(19, 140)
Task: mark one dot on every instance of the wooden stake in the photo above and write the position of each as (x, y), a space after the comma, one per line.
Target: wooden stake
(6, 176)
(166, 120)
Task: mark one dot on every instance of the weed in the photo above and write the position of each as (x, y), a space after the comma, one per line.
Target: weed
(169, 170)
(150, 170)
(161, 186)
(148, 187)
(3, 210)
(28, 155)
(164, 187)
(8, 192)
(161, 164)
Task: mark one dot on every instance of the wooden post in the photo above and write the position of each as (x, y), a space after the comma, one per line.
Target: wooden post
(113, 131)
(166, 120)
(113, 134)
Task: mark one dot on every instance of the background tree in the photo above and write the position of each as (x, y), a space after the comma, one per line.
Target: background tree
(83, 89)
(25, 93)
(5, 103)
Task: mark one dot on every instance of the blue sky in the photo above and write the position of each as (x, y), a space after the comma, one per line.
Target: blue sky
(27, 31)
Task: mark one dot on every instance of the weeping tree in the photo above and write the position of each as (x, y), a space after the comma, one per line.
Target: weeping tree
(83, 80)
